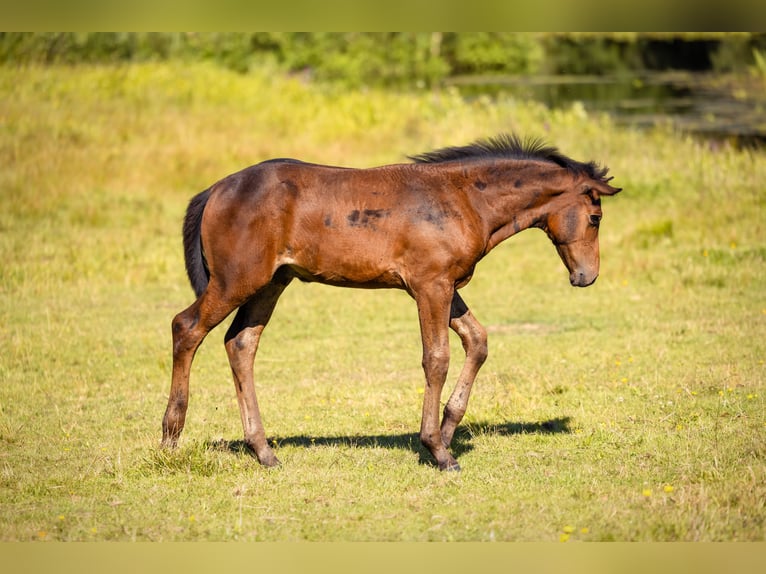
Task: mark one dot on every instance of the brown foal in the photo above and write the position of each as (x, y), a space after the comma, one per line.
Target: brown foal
(420, 226)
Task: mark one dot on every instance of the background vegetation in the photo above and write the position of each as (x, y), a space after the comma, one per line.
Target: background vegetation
(399, 58)
(631, 410)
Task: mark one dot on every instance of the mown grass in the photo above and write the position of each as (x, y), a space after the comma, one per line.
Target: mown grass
(631, 410)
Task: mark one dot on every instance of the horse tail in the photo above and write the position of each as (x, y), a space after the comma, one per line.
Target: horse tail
(196, 266)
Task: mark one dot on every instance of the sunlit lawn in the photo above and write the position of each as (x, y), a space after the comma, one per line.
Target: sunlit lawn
(631, 410)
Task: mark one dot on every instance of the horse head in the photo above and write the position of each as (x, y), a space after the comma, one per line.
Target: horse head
(573, 224)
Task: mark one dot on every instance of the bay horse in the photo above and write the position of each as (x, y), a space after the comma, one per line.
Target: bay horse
(420, 226)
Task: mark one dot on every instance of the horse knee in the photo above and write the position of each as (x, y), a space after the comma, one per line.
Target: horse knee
(436, 363)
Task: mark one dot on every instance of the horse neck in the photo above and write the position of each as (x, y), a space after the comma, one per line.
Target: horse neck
(519, 199)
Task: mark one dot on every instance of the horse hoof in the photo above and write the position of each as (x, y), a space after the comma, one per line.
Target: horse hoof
(451, 466)
(270, 461)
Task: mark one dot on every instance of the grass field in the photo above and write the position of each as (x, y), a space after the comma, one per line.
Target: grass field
(632, 410)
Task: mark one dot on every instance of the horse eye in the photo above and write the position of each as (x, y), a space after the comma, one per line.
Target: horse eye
(594, 220)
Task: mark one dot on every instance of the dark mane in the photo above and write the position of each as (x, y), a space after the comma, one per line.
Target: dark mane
(511, 146)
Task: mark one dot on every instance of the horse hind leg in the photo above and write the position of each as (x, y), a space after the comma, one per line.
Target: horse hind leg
(474, 339)
(190, 327)
(241, 343)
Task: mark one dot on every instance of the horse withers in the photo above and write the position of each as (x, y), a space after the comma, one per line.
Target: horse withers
(421, 227)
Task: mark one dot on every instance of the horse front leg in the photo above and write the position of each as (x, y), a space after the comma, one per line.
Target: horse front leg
(434, 312)
(474, 339)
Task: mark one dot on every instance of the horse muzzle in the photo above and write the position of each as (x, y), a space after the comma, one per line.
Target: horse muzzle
(581, 278)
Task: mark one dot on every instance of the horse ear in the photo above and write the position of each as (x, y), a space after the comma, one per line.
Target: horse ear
(602, 187)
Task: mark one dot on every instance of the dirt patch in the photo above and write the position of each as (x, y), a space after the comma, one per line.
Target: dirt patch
(523, 329)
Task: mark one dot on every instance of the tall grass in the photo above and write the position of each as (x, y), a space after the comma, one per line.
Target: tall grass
(631, 410)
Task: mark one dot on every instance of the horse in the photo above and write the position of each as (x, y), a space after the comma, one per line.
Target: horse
(420, 226)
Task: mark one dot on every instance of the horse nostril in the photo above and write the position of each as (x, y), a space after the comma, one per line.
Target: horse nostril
(579, 279)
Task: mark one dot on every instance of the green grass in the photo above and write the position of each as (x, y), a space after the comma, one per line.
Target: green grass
(631, 410)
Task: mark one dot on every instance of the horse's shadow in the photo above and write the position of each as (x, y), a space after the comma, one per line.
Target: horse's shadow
(462, 441)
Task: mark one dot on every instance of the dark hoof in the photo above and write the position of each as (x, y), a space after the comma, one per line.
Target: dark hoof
(270, 461)
(451, 466)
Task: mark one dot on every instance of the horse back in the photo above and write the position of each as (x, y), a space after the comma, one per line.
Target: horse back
(361, 227)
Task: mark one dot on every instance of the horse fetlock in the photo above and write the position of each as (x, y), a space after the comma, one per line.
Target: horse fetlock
(170, 434)
(260, 449)
(438, 449)
(173, 422)
(169, 443)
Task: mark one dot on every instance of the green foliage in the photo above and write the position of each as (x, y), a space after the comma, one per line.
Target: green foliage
(620, 53)
(589, 55)
(400, 59)
(759, 62)
(631, 410)
(351, 59)
(362, 59)
(482, 52)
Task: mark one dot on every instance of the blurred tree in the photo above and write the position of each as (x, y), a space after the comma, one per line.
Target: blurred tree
(403, 59)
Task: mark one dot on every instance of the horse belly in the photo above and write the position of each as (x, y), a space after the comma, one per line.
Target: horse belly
(347, 263)
(360, 251)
